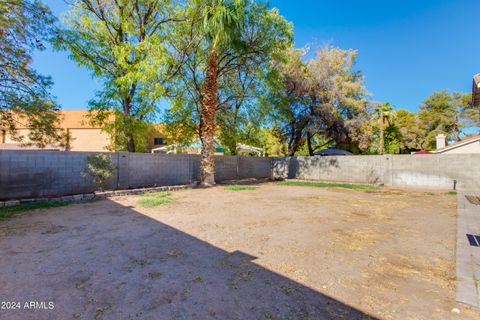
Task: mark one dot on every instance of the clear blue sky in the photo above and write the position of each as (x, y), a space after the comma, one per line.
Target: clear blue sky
(407, 49)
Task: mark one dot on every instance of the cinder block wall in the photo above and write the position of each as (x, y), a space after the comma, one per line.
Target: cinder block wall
(428, 171)
(37, 174)
(159, 170)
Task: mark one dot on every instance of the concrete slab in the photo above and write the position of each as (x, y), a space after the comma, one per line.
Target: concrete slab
(468, 256)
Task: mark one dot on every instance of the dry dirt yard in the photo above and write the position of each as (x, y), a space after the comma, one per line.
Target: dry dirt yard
(277, 252)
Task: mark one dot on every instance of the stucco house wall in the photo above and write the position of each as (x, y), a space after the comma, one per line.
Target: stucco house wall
(470, 144)
(83, 135)
(473, 147)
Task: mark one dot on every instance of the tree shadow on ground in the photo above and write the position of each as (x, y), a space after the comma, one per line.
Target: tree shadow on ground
(108, 261)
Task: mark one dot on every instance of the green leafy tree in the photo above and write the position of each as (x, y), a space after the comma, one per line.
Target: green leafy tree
(273, 142)
(229, 45)
(100, 168)
(320, 100)
(25, 99)
(124, 44)
(412, 130)
(447, 113)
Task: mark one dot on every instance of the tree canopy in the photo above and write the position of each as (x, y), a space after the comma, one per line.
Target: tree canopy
(124, 45)
(25, 99)
(227, 69)
(222, 78)
(319, 101)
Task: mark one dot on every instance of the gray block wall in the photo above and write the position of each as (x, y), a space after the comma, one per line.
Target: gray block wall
(426, 171)
(150, 170)
(234, 168)
(36, 174)
(226, 168)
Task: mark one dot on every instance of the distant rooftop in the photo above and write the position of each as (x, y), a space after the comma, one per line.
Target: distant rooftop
(466, 140)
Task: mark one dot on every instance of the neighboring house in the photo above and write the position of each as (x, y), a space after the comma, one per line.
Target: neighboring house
(469, 144)
(83, 136)
(193, 148)
(196, 148)
(333, 152)
(476, 90)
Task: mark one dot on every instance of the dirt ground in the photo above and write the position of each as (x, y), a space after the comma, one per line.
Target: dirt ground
(277, 252)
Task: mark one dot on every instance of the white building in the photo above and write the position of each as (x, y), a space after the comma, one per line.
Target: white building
(469, 144)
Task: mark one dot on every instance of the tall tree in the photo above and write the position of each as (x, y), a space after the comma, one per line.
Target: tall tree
(322, 96)
(249, 37)
(412, 130)
(25, 99)
(383, 112)
(124, 44)
(448, 113)
(222, 25)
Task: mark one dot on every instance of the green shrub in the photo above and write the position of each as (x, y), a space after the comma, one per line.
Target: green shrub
(101, 168)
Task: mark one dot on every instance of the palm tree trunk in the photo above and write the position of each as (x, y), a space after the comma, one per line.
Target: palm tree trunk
(382, 138)
(207, 129)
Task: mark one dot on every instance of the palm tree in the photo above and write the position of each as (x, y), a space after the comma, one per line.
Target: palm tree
(222, 27)
(383, 111)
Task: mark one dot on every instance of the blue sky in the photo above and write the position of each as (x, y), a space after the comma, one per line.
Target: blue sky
(407, 49)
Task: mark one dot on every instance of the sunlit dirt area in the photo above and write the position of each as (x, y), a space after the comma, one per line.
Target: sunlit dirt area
(273, 252)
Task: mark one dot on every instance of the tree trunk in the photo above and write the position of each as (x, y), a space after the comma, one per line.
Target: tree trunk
(207, 130)
(309, 143)
(382, 141)
(127, 127)
(295, 144)
(130, 142)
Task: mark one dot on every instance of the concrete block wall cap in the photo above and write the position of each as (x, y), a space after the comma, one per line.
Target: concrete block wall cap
(96, 195)
(12, 203)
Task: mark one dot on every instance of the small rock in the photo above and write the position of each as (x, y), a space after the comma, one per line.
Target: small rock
(456, 310)
(78, 197)
(67, 199)
(88, 196)
(109, 194)
(100, 195)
